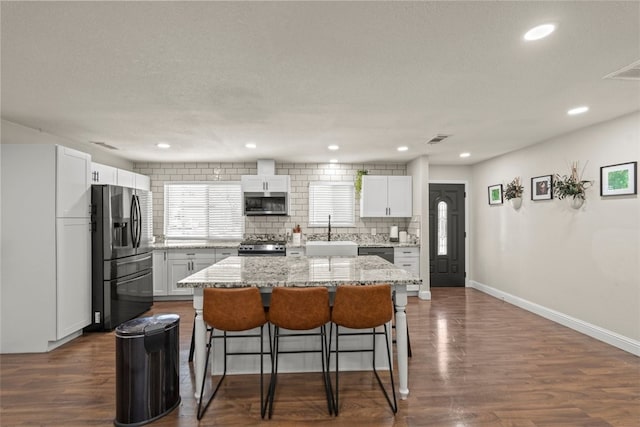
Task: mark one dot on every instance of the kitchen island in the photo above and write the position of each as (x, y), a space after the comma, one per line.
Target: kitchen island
(268, 272)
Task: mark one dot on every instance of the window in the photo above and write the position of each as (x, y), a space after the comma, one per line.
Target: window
(442, 228)
(203, 210)
(331, 198)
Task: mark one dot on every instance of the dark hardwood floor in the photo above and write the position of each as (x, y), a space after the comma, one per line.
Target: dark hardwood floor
(477, 361)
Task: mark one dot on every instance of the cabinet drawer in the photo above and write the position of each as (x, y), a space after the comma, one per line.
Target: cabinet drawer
(191, 254)
(222, 253)
(295, 252)
(410, 252)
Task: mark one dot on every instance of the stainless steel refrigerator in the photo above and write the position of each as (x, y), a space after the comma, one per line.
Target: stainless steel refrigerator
(121, 238)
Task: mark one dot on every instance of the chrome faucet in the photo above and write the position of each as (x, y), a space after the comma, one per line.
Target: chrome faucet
(329, 230)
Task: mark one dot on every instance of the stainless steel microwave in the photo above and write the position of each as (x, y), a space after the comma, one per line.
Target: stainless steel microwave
(266, 203)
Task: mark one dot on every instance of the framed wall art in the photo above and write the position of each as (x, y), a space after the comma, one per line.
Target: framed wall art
(542, 187)
(618, 180)
(495, 194)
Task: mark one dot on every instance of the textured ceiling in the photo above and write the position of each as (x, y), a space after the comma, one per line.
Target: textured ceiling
(294, 77)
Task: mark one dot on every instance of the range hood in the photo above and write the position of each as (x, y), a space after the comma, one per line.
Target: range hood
(266, 193)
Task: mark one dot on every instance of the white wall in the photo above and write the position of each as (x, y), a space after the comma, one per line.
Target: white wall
(584, 264)
(450, 173)
(13, 133)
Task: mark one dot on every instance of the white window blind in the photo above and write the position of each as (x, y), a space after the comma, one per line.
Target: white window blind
(203, 210)
(331, 198)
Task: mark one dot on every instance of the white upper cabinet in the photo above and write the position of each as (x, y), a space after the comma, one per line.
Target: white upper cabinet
(261, 183)
(142, 182)
(386, 196)
(73, 179)
(126, 178)
(103, 174)
(400, 196)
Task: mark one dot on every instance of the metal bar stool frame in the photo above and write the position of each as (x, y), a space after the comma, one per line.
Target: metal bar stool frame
(338, 320)
(322, 297)
(257, 322)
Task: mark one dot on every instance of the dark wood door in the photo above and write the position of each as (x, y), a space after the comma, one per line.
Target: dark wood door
(446, 234)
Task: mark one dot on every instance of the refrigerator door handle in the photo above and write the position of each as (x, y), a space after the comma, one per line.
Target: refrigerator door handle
(136, 203)
(139, 220)
(132, 215)
(135, 221)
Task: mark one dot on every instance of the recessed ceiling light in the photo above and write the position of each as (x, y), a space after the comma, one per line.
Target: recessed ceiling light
(578, 110)
(333, 161)
(403, 148)
(250, 145)
(163, 145)
(333, 147)
(539, 32)
(463, 155)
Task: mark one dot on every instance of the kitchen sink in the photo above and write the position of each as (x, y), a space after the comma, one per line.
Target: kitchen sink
(333, 248)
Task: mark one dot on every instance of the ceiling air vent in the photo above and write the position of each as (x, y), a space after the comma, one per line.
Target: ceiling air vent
(104, 144)
(630, 72)
(438, 139)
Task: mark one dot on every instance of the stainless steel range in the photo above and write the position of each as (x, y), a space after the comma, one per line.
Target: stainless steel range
(262, 248)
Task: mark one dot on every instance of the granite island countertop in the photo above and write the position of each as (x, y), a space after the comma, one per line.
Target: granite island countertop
(266, 272)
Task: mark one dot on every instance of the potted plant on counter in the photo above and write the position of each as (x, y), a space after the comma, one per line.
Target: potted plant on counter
(571, 185)
(513, 192)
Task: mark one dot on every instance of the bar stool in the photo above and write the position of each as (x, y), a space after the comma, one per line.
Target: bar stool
(233, 310)
(363, 307)
(299, 309)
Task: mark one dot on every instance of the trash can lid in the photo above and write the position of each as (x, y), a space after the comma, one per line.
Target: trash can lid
(135, 327)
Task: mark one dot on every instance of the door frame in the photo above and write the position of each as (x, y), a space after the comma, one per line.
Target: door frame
(466, 221)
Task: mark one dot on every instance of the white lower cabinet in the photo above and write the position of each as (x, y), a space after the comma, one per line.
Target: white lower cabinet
(408, 259)
(172, 265)
(184, 263)
(160, 273)
(73, 271)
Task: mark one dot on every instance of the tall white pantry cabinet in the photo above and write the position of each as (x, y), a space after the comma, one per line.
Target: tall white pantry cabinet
(46, 246)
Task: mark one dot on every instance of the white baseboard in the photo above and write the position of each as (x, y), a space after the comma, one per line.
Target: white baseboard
(624, 343)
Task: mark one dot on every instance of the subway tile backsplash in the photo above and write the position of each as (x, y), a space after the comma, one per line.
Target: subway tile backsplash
(301, 174)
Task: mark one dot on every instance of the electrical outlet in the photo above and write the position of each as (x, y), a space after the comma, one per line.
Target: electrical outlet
(373, 231)
(96, 317)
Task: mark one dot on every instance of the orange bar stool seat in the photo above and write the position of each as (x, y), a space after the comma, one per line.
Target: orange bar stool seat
(363, 307)
(299, 309)
(233, 310)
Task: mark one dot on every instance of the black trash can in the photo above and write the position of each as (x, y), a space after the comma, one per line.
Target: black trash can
(147, 369)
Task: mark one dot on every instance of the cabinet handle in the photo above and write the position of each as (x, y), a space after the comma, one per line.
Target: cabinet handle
(165, 255)
(97, 176)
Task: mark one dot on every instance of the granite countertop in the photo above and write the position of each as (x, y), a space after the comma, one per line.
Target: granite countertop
(195, 244)
(264, 272)
(212, 244)
(368, 244)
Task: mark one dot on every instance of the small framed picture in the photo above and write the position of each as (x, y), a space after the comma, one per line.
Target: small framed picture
(542, 187)
(495, 194)
(618, 180)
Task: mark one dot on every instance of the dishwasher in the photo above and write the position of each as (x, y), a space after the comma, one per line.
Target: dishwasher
(381, 251)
